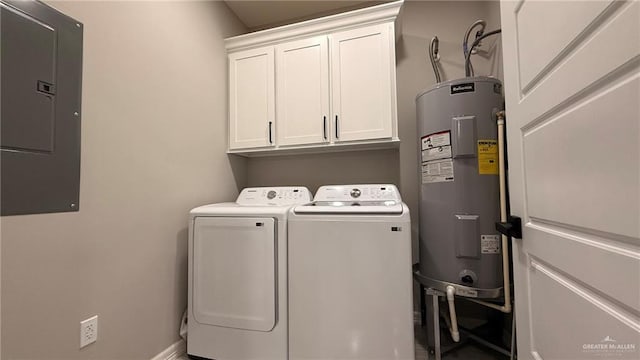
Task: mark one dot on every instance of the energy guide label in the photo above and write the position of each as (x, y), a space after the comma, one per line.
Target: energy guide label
(487, 157)
(437, 171)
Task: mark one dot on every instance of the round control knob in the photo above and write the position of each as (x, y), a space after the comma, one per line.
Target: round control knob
(467, 279)
(271, 194)
(355, 193)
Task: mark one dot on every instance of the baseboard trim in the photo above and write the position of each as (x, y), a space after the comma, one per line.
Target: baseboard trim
(173, 352)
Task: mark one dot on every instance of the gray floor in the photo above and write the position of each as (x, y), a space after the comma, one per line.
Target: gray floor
(468, 351)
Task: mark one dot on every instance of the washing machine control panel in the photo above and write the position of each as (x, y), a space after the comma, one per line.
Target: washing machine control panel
(361, 193)
(276, 196)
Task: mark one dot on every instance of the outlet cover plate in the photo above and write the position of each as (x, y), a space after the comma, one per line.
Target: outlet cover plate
(88, 331)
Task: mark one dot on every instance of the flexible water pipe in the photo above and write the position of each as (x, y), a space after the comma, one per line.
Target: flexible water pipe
(467, 60)
(434, 57)
(506, 308)
(453, 326)
(465, 41)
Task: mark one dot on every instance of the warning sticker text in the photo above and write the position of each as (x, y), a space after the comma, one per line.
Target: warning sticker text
(490, 244)
(436, 140)
(441, 152)
(437, 171)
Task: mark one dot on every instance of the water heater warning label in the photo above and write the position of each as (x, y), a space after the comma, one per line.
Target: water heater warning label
(437, 164)
(437, 171)
(490, 244)
(441, 152)
(436, 140)
(487, 157)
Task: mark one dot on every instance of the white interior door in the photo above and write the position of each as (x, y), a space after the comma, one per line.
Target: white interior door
(572, 85)
(234, 272)
(302, 89)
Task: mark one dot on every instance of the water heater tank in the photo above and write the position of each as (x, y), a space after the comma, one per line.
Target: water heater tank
(459, 192)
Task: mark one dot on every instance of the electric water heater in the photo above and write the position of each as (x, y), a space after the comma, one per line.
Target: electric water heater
(459, 192)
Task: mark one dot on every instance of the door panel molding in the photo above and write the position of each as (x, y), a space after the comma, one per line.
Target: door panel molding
(588, 154)
(619, 244)
(599, 19)
(626, 72)
(562, 305)
(554, 246)
(603, 303)
(599, 55)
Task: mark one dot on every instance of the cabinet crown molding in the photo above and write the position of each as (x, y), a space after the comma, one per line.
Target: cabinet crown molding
(375, 14)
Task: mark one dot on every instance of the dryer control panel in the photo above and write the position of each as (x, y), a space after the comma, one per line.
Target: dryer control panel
(275, 196)
(360, 193)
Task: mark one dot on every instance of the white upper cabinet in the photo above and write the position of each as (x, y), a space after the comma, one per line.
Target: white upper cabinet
(302, 91)
(363, 83)
(251, 98)
(320, 85)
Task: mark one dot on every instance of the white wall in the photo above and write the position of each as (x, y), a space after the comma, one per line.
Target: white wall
(324, 169)
(153, 146)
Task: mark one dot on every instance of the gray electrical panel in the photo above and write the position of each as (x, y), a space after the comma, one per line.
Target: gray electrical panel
(41, 77)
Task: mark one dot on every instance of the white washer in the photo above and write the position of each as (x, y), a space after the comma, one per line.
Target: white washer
(350, 278)
(238, 275)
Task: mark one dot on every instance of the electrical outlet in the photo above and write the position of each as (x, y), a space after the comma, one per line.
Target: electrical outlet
(88, 331)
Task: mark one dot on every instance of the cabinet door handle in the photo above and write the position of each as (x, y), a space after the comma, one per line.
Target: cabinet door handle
(270, 141)
(337, 137)
(324, 127)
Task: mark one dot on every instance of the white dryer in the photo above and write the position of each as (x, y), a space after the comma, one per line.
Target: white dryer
(350, 277)
(237, 298)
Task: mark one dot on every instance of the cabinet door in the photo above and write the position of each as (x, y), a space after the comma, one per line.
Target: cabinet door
(302, 89)
(363, 83)
(251, 98)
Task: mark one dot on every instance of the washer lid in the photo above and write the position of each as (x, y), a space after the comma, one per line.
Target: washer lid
(354, 199)
(350, 207)
(358, 193)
